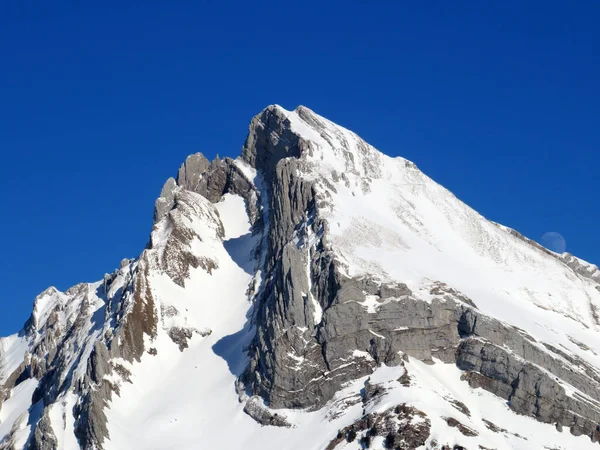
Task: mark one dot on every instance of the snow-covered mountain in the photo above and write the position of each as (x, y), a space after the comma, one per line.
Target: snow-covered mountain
(313, 293)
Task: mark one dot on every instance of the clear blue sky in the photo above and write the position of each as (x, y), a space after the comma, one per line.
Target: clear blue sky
(100, 102)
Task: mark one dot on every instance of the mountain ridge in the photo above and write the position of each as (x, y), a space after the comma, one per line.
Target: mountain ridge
(329, 283)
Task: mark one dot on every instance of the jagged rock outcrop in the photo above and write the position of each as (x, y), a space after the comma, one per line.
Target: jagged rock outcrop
(174, 254)
(79, 332)
(211, 180)
(270, 139)
(402, 426)
(191, 171)
(166, 201)
(43, 436)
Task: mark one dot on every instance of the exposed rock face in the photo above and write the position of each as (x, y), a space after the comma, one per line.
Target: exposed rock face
(174, 254)
(402, 426)
(270, 140)
(255, 408)
(209, 179)
(181, 335)
(221, 177)
(43, 436)
(286, 317)
(166, 201)
(191, 171)
(530, 390)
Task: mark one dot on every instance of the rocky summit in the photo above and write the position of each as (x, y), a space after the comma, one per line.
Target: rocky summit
(312, 293)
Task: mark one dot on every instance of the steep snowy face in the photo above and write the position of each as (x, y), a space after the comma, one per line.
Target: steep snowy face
(388, 220)
(375, 262)
(321, 288)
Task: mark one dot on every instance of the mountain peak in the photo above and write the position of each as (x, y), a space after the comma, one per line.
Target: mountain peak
(323, 295)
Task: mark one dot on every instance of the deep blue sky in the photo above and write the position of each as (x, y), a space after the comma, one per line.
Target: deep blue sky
(100, 102)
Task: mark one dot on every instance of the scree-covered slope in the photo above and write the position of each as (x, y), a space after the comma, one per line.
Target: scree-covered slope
(313, 293)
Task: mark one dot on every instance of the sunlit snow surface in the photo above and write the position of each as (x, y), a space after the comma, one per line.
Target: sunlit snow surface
(389, 220)
(385, 219)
